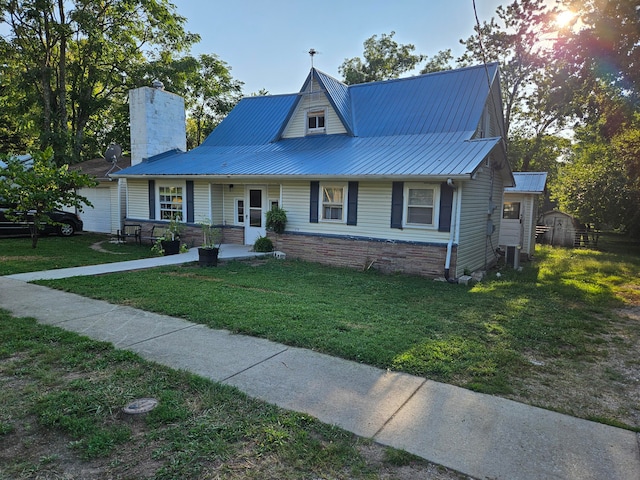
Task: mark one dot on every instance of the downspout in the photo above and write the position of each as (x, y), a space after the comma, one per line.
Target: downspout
(454, 211)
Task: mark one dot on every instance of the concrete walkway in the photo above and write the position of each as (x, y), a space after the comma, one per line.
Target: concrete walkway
(227, 252)
(480, 435)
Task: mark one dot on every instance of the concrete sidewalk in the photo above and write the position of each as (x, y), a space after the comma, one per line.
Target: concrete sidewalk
(480, 435)
(227, 252)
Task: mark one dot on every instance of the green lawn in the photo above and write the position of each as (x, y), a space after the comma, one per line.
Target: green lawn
(559, 309)
(62, 396)
(17, 256)
(563, 334)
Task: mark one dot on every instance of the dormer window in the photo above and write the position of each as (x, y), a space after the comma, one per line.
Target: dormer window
(316, 121)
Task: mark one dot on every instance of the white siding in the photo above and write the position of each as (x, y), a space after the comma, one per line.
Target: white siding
(529, 214)
(530, 227)
(273, 194)
(230, 195)
(298, 123)
(479, 206)
(201, 201)
(374, 215)
(138, 199)
(116, 199)
(490, 124)
(217, 203)
(530, 206)
(121, 212)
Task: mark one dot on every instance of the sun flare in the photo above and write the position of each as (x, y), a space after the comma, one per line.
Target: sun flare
(565, 18)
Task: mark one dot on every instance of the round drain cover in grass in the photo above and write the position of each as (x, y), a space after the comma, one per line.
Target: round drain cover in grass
(141, 405)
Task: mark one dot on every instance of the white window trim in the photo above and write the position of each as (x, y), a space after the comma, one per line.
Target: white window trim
(178, 184)
(345, 202)
(315, 131)
(236, 212)
(436, 205)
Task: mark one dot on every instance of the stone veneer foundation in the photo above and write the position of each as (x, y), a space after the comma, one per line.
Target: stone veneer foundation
(386, 256)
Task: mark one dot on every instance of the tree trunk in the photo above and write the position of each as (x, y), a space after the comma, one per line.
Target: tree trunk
(62, 73)
(33, 230)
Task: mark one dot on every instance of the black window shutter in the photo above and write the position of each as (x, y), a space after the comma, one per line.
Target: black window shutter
(314, 198)
(190, 201)
(152, 199)
(352, 205)
(446, 207)
(397, 204)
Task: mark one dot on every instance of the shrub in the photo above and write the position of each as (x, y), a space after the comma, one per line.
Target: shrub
(263, 244)
(276, 219)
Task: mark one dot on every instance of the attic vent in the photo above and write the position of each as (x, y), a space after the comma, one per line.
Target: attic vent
(158, 85)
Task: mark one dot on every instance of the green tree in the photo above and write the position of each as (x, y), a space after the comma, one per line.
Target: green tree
(40, 189)
(74, 58)
(594, 187)
(439, 62)
(600, 54)
(604, 44)
(543, 153)
(211, 93)
(205, 82)
(520, 41)
(384, 58)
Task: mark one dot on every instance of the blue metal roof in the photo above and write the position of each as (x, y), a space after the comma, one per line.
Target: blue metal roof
(253, 121)
(338, 94)
(528, 182)
(417, 126)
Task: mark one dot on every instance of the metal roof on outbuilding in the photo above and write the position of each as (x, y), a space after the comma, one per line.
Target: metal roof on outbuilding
(528, 182)
(419, 126)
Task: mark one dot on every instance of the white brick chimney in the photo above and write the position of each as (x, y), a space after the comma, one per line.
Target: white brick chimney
(158, 122)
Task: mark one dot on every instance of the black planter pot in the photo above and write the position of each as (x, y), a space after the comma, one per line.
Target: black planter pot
(208, 257)
(170, 247)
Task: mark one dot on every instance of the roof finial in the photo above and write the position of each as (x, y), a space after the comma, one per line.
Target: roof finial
(312, 52)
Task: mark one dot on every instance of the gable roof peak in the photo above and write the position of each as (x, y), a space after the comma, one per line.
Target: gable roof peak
(336, 92)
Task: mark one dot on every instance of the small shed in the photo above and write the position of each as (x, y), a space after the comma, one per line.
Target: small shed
(559, 229)
(520, 212)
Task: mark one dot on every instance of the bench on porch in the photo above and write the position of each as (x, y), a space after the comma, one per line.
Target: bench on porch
(130, 230)
(157, 233)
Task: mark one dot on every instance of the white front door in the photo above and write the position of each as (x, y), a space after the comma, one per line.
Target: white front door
(254, 214)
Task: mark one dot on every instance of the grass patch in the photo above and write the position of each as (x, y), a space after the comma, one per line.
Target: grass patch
(559, 310)
(472, 337)
(17, 256)
(549, 335)
(60, 390)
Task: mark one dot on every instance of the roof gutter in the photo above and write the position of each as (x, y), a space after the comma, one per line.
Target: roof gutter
(280, 178)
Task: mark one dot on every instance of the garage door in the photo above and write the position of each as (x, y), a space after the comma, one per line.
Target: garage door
(98, 218)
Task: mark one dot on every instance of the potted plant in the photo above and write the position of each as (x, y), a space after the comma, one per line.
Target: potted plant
(170, 244)
(211, 238)
(276, 219)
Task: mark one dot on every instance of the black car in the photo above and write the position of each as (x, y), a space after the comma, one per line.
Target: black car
(66, 224)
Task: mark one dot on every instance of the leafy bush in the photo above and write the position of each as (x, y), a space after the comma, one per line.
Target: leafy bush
(263, 244)
(276, 219)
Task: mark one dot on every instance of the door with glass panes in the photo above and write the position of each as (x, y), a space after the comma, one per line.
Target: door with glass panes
(254, 213)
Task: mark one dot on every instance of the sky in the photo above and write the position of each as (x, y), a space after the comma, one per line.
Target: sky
(266, 42)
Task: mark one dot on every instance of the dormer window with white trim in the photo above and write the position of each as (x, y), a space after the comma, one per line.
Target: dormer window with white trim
(316, 121)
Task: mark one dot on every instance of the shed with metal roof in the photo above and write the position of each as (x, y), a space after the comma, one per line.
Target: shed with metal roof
(520, 213)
